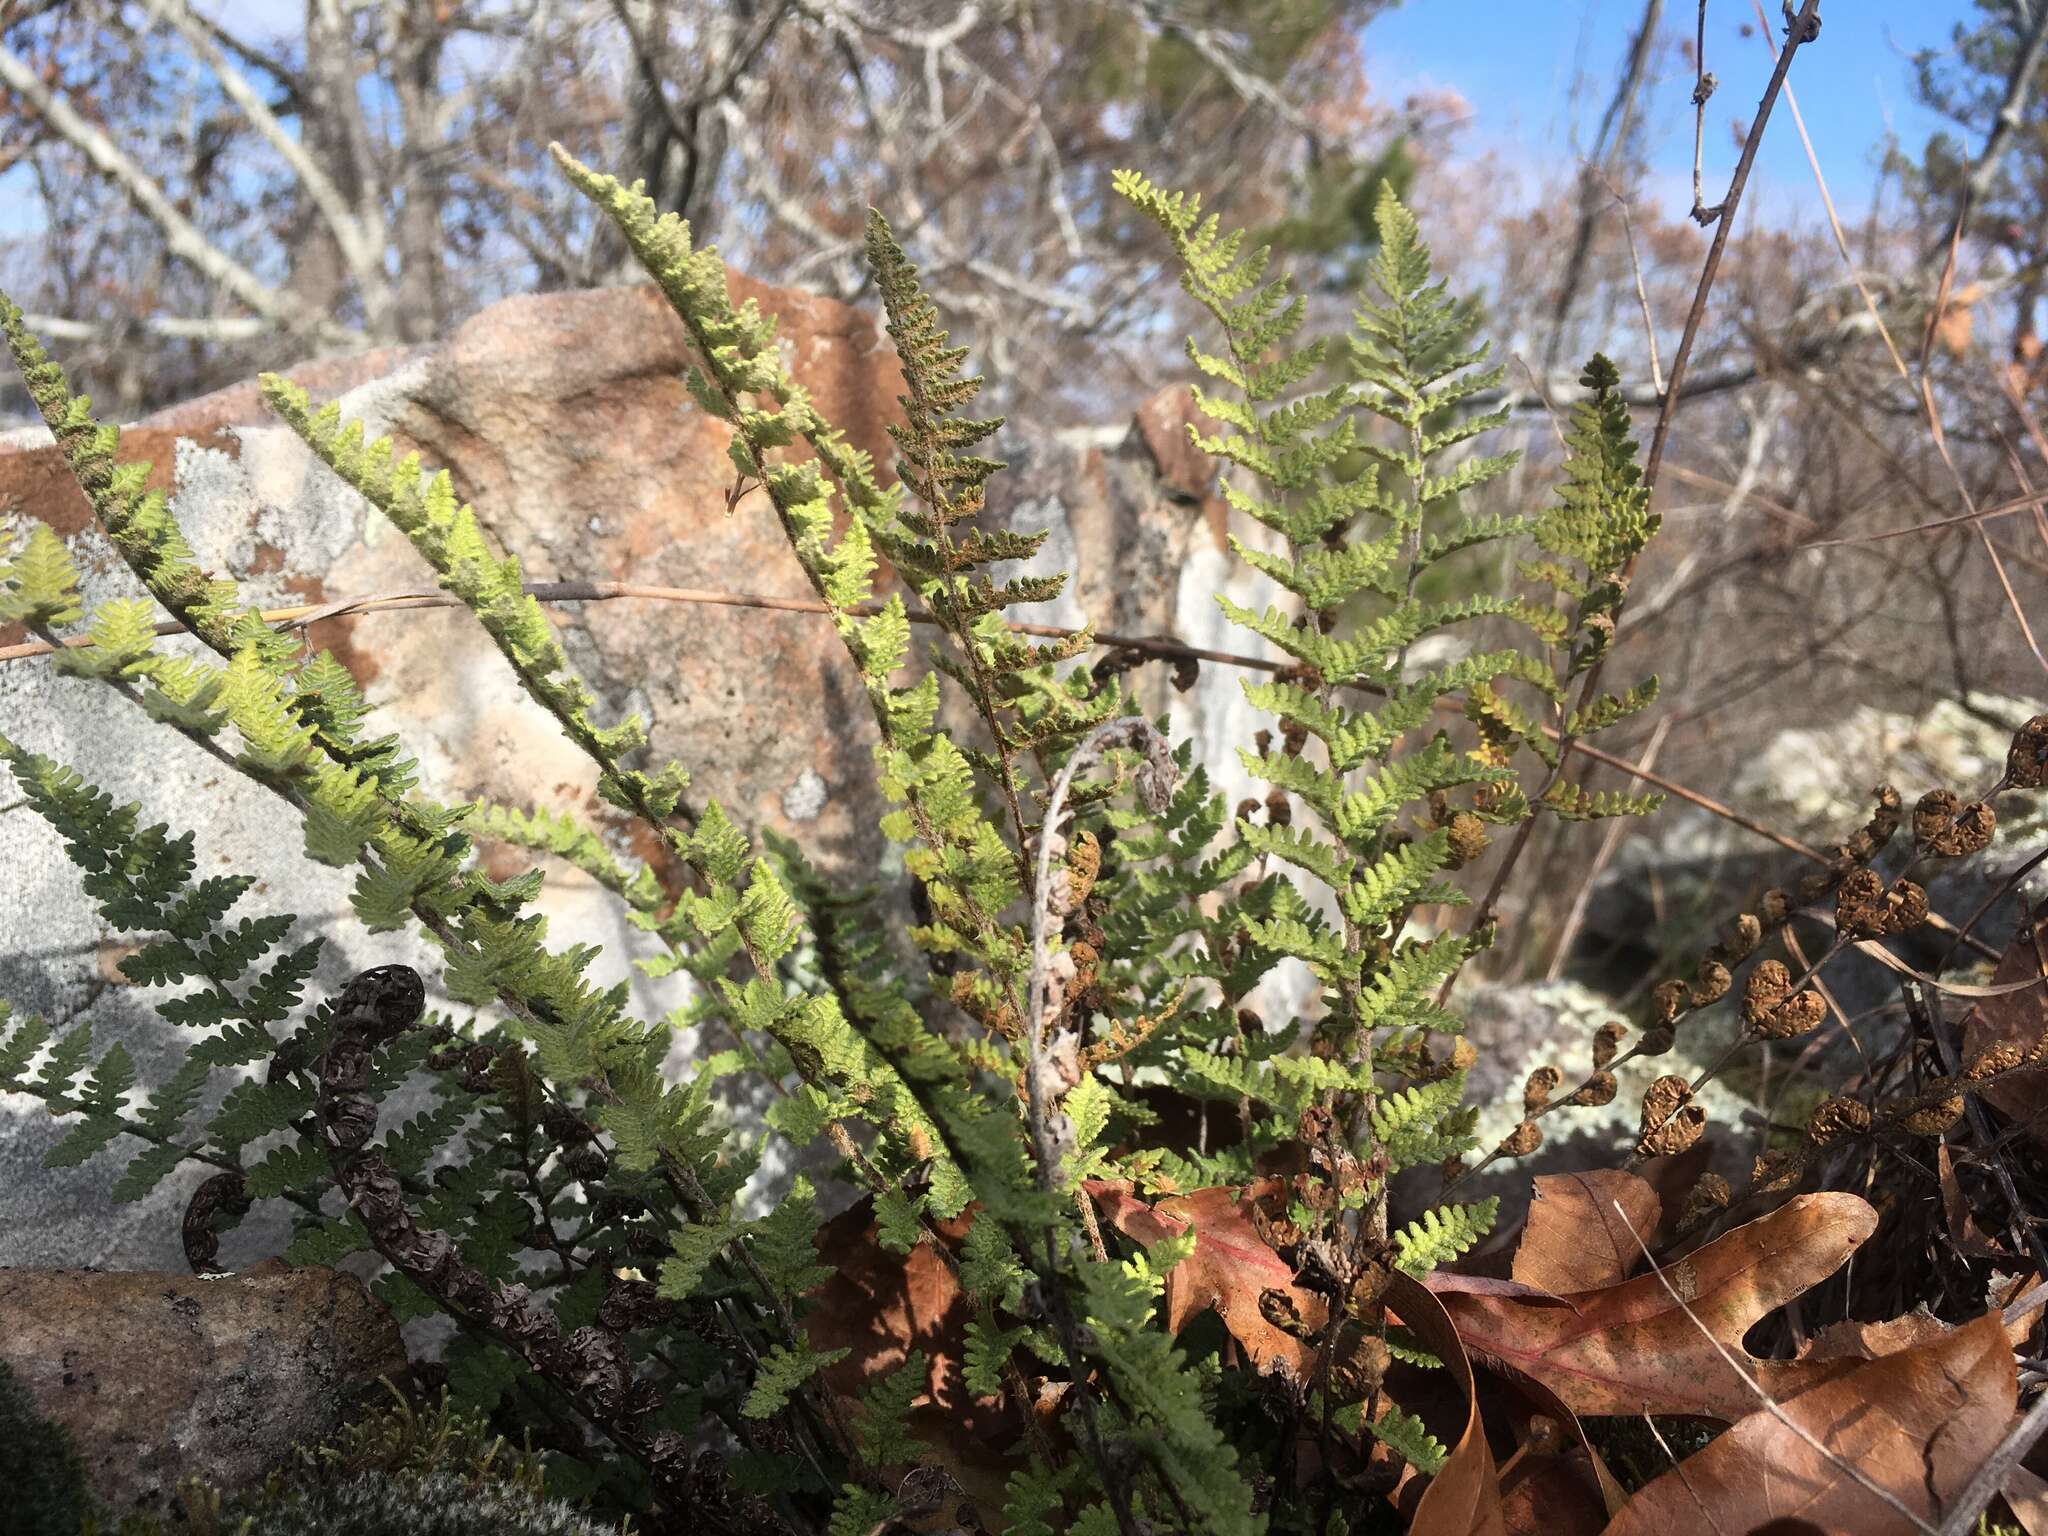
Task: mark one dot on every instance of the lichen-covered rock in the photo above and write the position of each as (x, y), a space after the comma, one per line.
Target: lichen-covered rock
(160, 1377)
(565, 420)
(1521, 1028)
(1679, 878)
(441, 1504)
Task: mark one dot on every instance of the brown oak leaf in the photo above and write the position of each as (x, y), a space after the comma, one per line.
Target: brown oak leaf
(879, 1307)
(1576, 1240)
(1463, 1499)
(1853, 1340)
(1630, 1348)
(1918, 1423)
(1231, 1268)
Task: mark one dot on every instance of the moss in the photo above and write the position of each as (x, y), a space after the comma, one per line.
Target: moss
(434, 1471)
(40, 1468)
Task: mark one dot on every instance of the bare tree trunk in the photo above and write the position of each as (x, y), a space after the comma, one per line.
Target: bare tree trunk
(330, 126)
(417, 38)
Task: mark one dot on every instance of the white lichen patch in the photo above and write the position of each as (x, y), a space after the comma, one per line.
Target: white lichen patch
(1822, 775)
(805, 799)
(1552, 1023)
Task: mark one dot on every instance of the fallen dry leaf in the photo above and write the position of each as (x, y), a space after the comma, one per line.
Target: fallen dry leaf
(1544, 1496)
(1917, 1423)
(1674, 1179)
(1463, 1499)
(1555, 1484)
(1576, 1240)
(1963, 1230)
(1851, 1340)
(2016, 1018)
(1445, 1282)
(1630, 1348)
(1229, 1270)
(879, 1306)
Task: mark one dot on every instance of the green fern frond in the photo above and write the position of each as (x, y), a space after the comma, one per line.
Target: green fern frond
(1442, 1234)
(1568, 802)
(783, 1371)
(1151, 1375)
(137, 519)
(1405, 1435)
(447, 535)
(1424, 1123)
(1611, 709)
(886, 1439)
(39, 580)
(1602, 516)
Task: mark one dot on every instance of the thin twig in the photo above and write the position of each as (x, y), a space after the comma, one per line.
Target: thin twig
(2022, 1223)
(304, 614)
(1925, 391)
(1800, 29)
(2030, 1302)
(2009, 119)
(2028, 503)
(1706, 803)
(1790, 937)
(1616, 125)
(182, 238)
(1684, 1482)
(1635, 265)
(1704, 86)
(1162, 647)
(1827, 201)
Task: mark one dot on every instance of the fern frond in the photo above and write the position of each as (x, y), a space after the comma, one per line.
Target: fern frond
(1442, 1234)
(1405, 1435)
(137, 520)
(784, 1369)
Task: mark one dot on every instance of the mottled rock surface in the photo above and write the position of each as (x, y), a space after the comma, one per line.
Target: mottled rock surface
(565, 420)
(158, 1377)
(1523, 1026)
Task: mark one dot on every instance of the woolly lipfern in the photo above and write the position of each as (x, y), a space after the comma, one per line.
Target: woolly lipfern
(996, 1079)
(1353, 554)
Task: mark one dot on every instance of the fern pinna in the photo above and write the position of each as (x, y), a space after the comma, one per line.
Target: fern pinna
(1362, 517)
(1071, 1026)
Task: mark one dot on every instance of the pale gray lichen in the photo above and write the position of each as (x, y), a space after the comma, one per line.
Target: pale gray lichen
(805, 799)
(438, 1504)
(1521, 1028)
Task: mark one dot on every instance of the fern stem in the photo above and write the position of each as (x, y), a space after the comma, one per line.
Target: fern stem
(1800, 29)
(1134, 731)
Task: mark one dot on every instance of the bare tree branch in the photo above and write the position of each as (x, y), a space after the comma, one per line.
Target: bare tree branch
(1608, 146)
(359, 235)
(171, 327)
(2019, 87)
(181, 236)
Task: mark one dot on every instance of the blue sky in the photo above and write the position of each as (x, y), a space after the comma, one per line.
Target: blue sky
(1538, 73)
